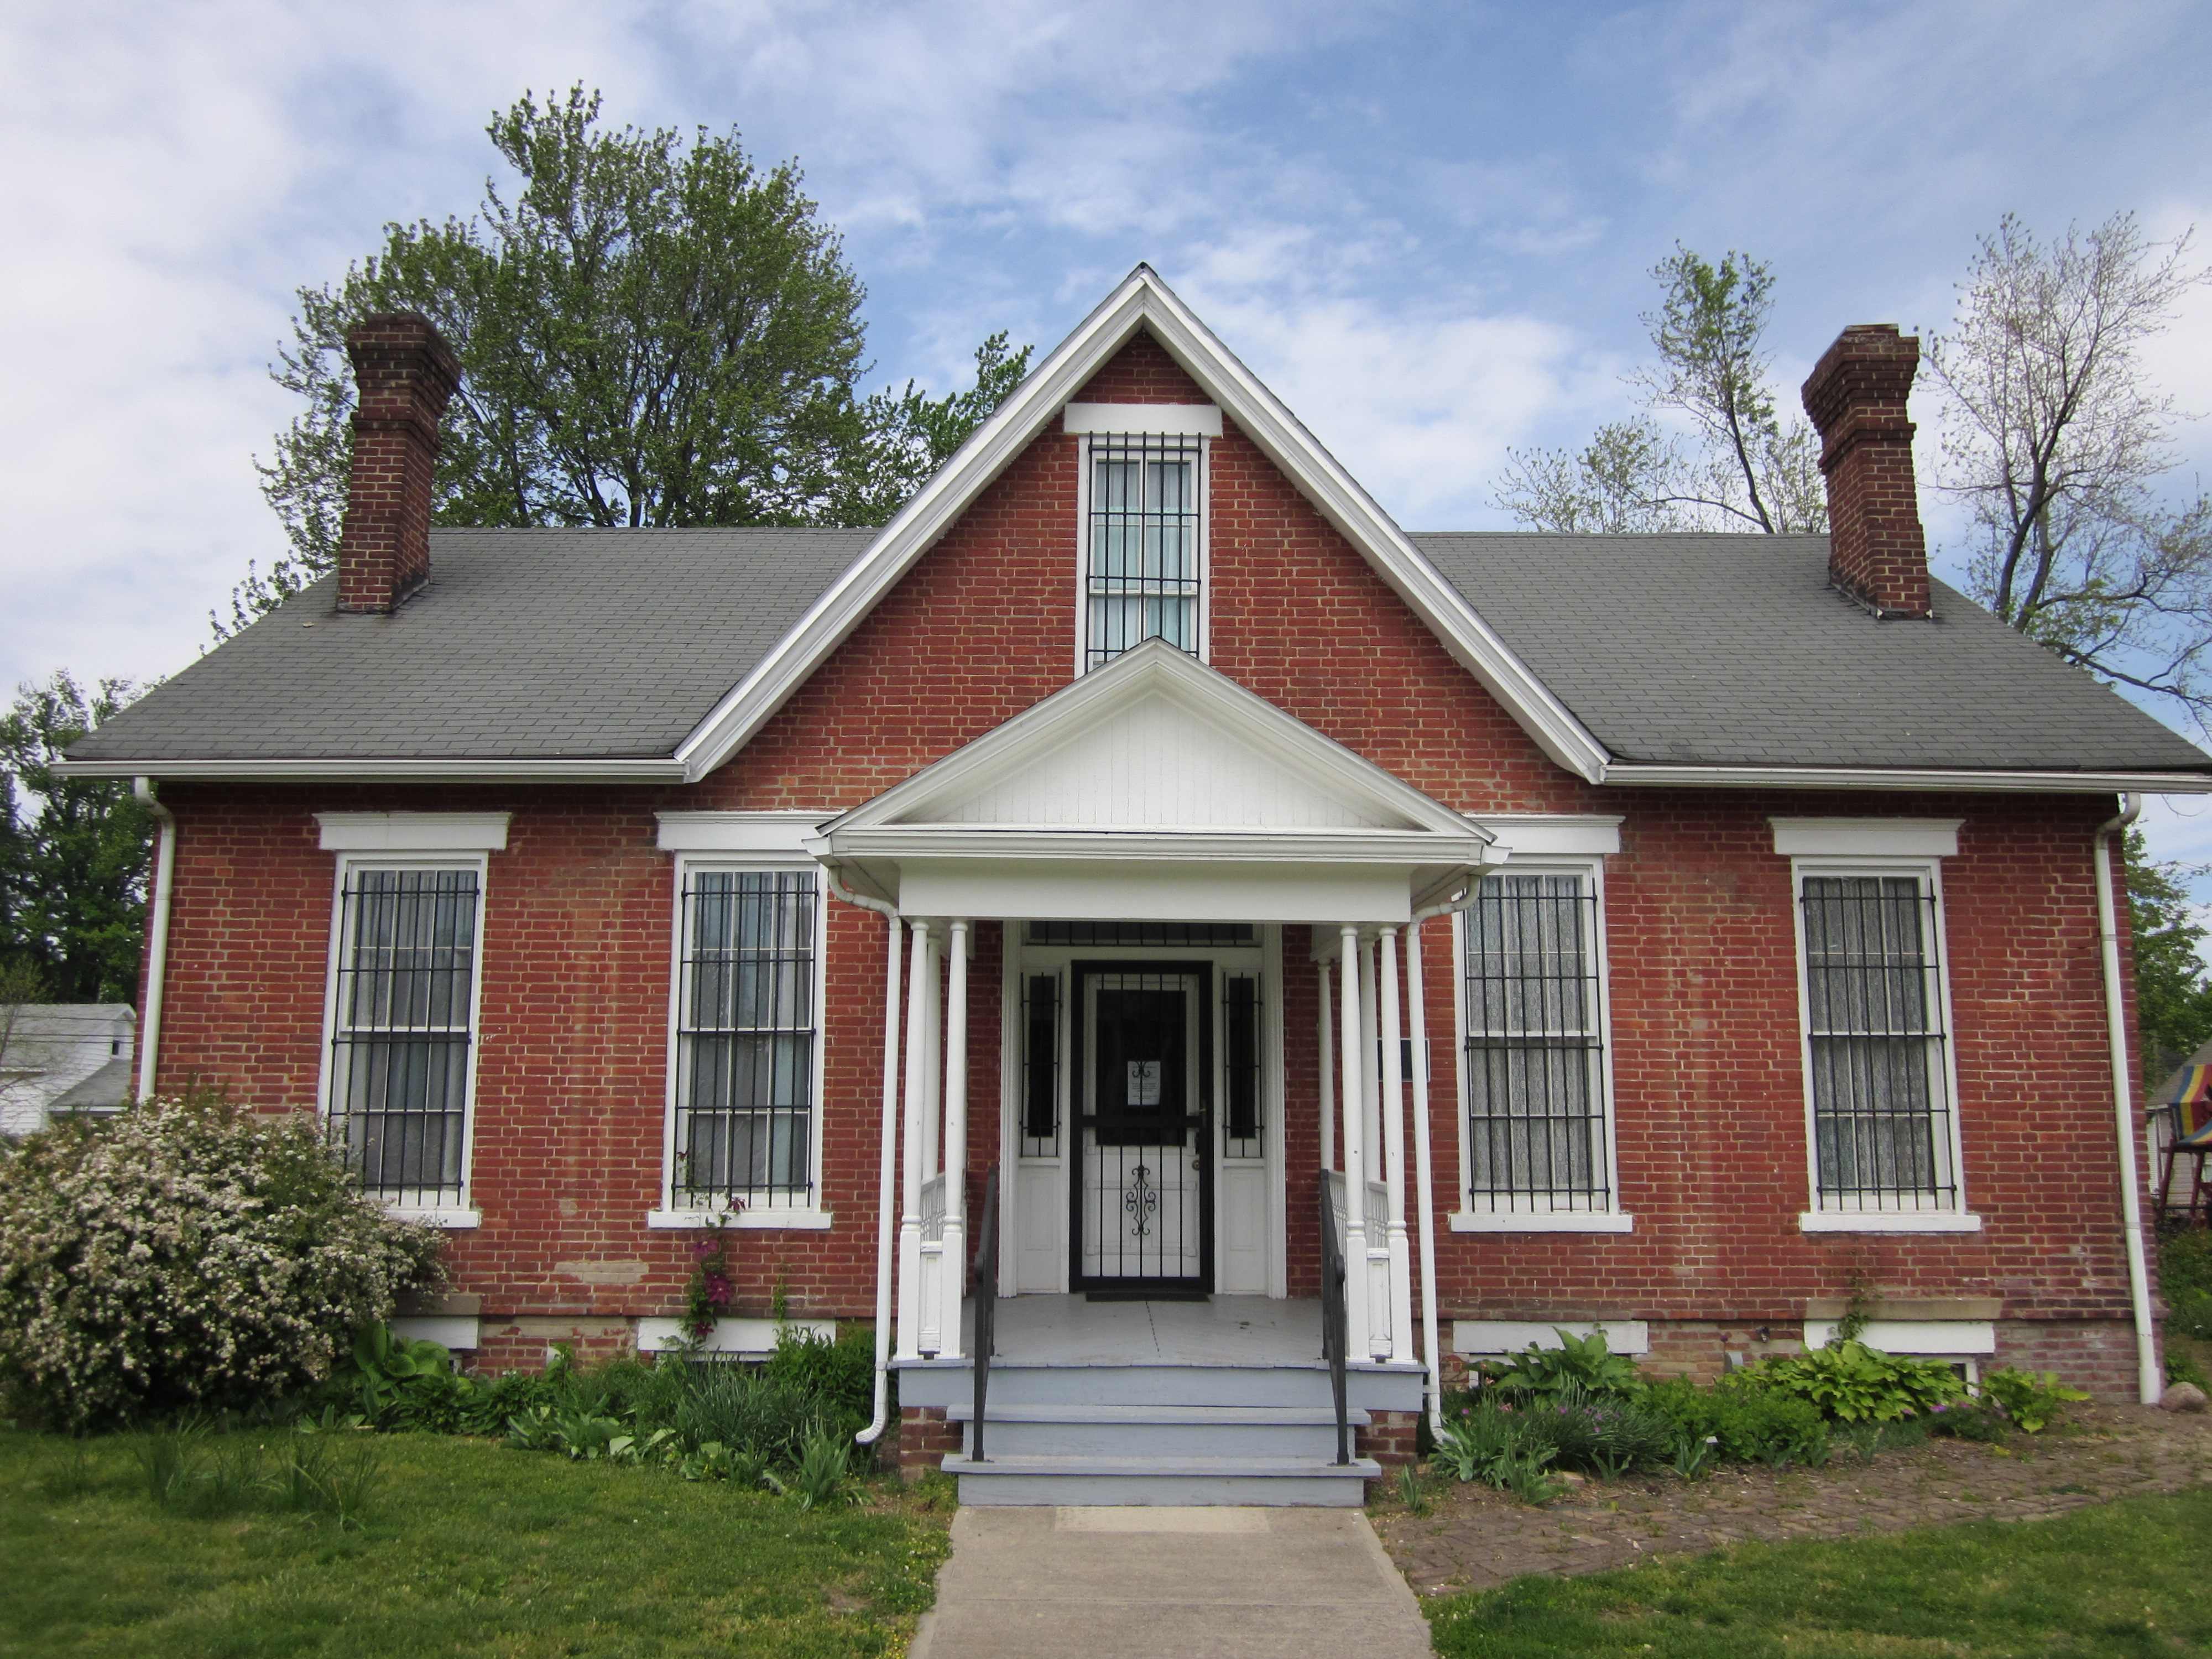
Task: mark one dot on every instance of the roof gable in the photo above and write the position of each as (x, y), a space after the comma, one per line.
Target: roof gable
(1142, 303)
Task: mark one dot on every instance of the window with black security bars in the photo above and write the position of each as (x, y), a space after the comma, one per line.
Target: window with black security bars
(1243, 1123)
(745, 1039)
(404, 1013)
(1873, 1007)
(1142, 567)
(1040, 1041)
(1535, 1046)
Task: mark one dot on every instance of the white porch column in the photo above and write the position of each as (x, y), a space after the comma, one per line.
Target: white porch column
(956, 1143)
(933, 1071)
(1327, 1076)
(1370, 1067)
(1355, 1161)
(911, 1173)
(1394, 1129)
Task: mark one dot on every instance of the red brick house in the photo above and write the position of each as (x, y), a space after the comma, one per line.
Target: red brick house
(1677, 933)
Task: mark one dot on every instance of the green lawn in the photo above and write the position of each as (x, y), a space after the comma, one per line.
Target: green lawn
(2112, 1582)
(466, 1549)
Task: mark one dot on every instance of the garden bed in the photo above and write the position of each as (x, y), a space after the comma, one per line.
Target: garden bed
(1477, 1537)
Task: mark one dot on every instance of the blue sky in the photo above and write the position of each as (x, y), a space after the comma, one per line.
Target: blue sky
(1427, 227)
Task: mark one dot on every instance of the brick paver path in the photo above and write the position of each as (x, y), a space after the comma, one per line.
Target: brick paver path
(1475, 1537)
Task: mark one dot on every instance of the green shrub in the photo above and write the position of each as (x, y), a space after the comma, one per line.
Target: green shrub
(1749, 1423)
(1850, 1382)
(841, 1374)
(2028, 1400)
(755, 1415)
(186, 1254)
(1579, 1362)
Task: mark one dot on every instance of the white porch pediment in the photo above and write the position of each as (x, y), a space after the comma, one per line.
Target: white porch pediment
(1156, 788)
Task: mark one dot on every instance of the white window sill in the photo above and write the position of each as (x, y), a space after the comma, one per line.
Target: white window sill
(1554, 1221)
(433, 1216)
(742, 1220)
(1887, 1221)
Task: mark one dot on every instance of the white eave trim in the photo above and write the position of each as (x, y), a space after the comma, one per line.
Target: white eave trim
(382, 771)
(1142, 301)
(1410, 847)
(1823, 777)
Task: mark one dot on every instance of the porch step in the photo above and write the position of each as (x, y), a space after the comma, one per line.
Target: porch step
(946, 1383)
(1157, 1431)
(1032, 1478)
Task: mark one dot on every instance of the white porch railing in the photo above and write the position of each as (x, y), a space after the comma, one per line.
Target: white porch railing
(932, 1306)
(1379, 1266)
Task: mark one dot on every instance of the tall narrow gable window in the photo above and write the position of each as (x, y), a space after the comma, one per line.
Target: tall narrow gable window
(1538, 1134)
(747, 1039)
(1144, 576)
(1877, 1065)
(403, 1027)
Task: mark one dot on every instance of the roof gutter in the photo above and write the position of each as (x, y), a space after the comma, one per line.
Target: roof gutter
(548, 770)
(2150, 1383)
(1963, 780)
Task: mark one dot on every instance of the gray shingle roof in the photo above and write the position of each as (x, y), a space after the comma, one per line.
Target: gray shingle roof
(527, 644)
(585, 644)
(1734, 651)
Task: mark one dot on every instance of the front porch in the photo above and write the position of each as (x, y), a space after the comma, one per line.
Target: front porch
(1226, 1401)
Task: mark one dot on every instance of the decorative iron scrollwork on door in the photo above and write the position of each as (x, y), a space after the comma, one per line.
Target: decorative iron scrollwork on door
(1141, 1202)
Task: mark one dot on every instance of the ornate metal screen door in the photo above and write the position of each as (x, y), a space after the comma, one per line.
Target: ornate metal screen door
(1143, 1206)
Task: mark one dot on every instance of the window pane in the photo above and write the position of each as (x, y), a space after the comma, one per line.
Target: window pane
(399, 1060)
(1535, 1099)
(1141, 572)
(1880, 1114)
(745, 1036)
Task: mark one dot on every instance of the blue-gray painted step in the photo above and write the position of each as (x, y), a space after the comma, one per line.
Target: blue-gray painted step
(1083, 1479)
(946, 1384)
(1296, 1432)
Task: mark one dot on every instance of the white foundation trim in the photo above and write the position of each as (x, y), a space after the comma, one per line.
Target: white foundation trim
(746, 1339)
(1504, 1336)
(1936, 1336)
(457, 1331)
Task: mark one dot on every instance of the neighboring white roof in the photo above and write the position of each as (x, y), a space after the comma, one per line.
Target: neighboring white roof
(50, 1049)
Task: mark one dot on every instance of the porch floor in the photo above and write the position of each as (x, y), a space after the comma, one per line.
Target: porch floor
(1228, 1330)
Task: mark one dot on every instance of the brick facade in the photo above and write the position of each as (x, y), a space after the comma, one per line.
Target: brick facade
(571, 1080)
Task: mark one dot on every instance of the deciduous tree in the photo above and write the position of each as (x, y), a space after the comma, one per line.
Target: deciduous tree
(652, 331)
(1743, 463)
(2056, 441)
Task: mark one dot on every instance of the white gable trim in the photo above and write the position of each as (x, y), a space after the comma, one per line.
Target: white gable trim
(1142, 302)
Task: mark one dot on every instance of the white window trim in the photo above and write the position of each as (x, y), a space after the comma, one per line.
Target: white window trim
(1906, 838)
(1819, 1217)
(1141, 413)
(1172, 419)
(794, 1217)
(1553, 835)
(413, 832)
(739, 832)
(1467, 1218)
(461, 1215)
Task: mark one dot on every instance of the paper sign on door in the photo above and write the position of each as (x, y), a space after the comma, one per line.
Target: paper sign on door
(1144, 1083)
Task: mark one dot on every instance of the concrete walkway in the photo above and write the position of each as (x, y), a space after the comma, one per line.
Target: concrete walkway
(1169, 1584)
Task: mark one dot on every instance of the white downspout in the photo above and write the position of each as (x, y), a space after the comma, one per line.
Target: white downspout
(1424, 1153)
(157, 943)
(2149, 1383)
(888, 1168)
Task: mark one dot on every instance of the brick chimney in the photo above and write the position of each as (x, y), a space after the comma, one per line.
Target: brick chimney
(1855, 396)
(405, 373)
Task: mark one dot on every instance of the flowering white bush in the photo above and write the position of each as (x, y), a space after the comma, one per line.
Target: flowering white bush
(186, 1253)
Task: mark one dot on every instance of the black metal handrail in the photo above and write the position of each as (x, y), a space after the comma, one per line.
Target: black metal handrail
(986, 1303)
(1335, 1335)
